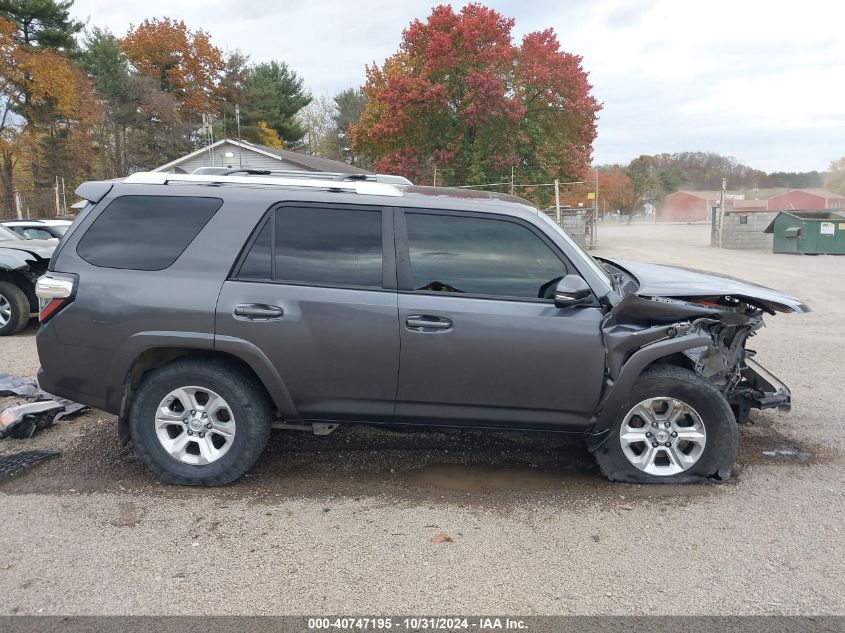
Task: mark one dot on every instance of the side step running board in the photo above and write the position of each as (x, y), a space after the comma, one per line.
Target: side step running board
(318, 428)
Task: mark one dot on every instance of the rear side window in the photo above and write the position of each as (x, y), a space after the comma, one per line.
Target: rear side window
(37, 234)
(145, 232)
(319, 246)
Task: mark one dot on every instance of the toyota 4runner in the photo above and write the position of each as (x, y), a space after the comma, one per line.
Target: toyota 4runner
(203, 310)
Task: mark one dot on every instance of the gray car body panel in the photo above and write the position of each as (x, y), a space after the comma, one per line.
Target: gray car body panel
(656, 280)
(346, 354)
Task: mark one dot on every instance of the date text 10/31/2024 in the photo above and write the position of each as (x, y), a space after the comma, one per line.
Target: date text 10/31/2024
(417, 623)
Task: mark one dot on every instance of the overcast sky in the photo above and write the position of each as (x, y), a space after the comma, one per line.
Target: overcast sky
(763, 81)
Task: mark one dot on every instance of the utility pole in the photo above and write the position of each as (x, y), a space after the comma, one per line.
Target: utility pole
(596, 212)
(238, 122)
(512, 174)
(557, 201)
(720, 221)
(18, 204)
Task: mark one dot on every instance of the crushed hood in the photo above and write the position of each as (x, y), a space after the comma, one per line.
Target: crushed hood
(656, 280)
(39, 248)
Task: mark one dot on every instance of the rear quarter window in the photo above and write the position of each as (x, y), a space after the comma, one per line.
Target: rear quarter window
(145, 232)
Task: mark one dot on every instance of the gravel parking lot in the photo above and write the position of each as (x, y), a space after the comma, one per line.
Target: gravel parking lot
(343, 524)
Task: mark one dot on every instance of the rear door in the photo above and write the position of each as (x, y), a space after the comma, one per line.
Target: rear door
(482, 341)
(315, 290)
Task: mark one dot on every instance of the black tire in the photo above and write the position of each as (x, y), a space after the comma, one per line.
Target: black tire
(720, 447)
(245, 396)
(19, 306)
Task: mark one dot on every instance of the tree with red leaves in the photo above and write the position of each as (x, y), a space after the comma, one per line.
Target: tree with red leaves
(461, 97)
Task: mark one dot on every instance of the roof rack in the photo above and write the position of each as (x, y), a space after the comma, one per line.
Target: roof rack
(363, 187)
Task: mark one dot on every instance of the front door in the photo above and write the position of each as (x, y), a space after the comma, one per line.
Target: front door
(481, 340)
(315, 292)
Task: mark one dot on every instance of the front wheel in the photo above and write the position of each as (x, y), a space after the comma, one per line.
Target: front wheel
(675, 428)
(199, 422)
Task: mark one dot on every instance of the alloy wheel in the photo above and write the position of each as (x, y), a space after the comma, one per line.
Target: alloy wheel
(663, 436)
(195, 425)
(5, 311)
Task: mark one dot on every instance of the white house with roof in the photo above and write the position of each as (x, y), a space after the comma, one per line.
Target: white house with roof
(234, 154)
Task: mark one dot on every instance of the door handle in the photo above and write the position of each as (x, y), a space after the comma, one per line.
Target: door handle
(425, 322)
(258, 312)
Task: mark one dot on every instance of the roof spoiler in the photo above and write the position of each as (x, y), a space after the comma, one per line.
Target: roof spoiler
(94, 190)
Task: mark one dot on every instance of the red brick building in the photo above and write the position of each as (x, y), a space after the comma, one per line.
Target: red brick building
(695, 206)
(687, 206)
(798, 199)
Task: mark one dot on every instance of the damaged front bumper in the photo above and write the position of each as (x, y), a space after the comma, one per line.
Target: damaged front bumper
(763, 390)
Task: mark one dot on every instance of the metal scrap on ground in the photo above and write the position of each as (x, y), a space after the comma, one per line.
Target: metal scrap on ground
(22, 420)
(18, 461)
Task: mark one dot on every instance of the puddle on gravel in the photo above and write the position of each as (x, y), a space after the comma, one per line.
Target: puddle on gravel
(490, 469)
(475, 478)
(761, 444)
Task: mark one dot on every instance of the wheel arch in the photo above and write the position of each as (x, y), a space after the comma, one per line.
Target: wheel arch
(19, 278)
(668, 351)
(235, 353)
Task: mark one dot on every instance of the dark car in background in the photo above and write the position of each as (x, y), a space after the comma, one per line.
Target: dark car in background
(204, 309)
(22, 262)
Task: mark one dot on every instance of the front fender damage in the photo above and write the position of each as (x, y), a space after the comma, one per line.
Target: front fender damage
(706, 335)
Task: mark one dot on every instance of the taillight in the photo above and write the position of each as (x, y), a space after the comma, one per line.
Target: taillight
(54, 291)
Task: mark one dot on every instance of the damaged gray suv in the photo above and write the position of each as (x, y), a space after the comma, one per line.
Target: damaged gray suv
(204, 310)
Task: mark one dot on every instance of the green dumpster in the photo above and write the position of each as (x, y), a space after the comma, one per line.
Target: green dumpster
(820, 232)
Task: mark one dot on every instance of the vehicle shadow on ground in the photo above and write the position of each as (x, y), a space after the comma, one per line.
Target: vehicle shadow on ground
(423, 466)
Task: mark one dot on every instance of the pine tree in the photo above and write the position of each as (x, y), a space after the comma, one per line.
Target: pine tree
(43, 23)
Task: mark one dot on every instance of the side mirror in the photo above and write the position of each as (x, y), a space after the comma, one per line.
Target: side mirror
(572, 290)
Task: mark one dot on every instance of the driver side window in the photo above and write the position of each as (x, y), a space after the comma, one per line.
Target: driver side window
(480, 256)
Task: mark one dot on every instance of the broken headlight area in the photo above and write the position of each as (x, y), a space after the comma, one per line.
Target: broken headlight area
(637, 322)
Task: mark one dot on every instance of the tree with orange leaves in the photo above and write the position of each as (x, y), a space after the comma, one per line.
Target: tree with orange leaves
(616, 191)
(185, 63)
(42, 97)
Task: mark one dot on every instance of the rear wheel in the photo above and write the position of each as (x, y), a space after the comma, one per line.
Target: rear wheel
(675, 428)
(199, 422)
(14, 309)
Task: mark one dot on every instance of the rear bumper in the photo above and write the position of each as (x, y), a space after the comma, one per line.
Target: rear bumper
(81, 374)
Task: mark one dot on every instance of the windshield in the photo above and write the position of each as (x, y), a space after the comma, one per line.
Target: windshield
(7, 235)
(588, 259)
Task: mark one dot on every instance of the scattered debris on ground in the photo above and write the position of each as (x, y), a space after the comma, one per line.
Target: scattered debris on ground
(23, 420)
(789, 453)
(442, 538)
(17, 386)
(18, 461)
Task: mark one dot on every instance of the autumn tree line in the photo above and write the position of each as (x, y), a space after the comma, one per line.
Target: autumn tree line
(78, 102)
(461, 102)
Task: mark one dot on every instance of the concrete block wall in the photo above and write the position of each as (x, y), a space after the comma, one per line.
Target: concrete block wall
(574, 223)
(748, 236)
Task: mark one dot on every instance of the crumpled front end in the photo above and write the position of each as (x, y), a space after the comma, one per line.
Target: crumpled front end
(722, 327)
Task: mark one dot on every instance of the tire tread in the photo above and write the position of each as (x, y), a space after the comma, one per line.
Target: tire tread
(252, 394)
(657, 374)
(20, 308)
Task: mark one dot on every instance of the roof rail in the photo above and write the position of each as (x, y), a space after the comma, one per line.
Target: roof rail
(363, 187)
(298, 173)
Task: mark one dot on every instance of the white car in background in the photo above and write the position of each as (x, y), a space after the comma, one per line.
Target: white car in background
(37, 229)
